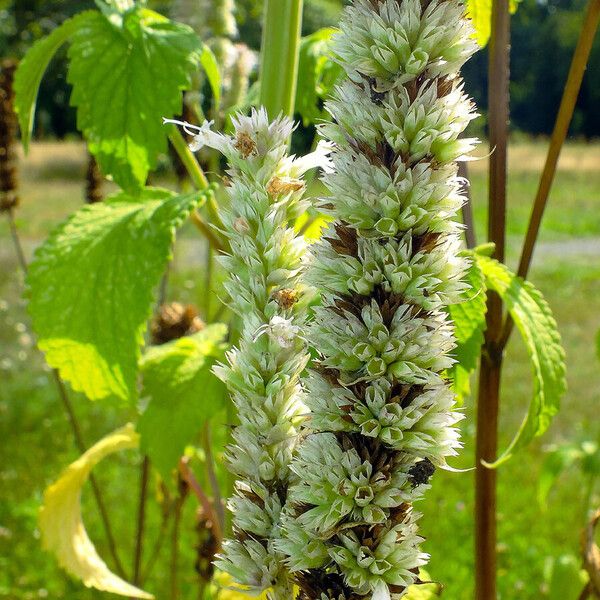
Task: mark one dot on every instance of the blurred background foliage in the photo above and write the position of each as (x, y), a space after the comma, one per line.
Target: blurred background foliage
(544, 34)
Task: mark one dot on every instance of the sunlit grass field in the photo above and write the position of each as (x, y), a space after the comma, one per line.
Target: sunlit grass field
(35, 441)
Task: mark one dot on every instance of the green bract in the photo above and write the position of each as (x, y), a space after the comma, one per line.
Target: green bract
(91, 287)
(382, 412)
(262, 372)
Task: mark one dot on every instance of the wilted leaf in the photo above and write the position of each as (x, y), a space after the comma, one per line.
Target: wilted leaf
(183, 394)
(61, 525)
(91, 287)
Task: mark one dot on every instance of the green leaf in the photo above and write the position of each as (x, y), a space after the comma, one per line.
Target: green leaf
(480, 12)
(537, 326)
(469, 325)
(127, 74)
(557, 460)
(565, 578)
(183, 394)
(211, 68)
(317, 74)
(32, 68)
(91, 287)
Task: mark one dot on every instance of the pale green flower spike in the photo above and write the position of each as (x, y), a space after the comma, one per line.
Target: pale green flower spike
(382, 413)
(262, 373)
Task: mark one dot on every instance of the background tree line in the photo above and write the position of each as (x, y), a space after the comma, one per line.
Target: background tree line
(544, 35)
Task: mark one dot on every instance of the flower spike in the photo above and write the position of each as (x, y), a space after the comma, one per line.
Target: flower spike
(382, 414)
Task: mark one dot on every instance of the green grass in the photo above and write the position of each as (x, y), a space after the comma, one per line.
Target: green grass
(36, 442)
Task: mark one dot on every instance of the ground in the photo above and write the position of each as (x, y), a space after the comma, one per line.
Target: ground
(36, 443)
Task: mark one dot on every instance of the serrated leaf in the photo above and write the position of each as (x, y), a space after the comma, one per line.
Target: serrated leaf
(534, 320)
(211, 68)
(469, 325)
(61, 525)
(31, 70)
(91, 287)
(183, 394)
(317, 74)
(126, 77)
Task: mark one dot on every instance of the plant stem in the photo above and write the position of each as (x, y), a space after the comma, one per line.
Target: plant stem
(213, 240)
(212, 476)
(174, 566)
(467, 209)
(488, 405)
(72, 417)
(188, 477)
(581, 56)
(158, 545)
(188, 159)
(141, 520)
(279, 56)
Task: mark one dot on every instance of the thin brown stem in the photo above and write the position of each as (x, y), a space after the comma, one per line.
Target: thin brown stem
(141, 520)
(579, 62)
(212, 476)
(467, 208)
(157, 547)
(72, 418)
(174, 565)
(16, 240)
(213, 240)
(188, 477)
(488, 406)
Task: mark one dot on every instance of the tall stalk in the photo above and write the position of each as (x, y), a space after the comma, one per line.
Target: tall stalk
(279, 56)
(382, 414)
(263, 369)
(579, 62)
(488, 404)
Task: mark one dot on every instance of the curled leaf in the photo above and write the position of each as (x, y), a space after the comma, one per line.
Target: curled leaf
(61, 525)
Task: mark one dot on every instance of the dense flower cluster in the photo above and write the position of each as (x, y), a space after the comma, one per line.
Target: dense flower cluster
(265, 196)
(381, 411)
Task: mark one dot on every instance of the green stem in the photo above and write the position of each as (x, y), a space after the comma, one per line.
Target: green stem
(279, 56)
(188, 159)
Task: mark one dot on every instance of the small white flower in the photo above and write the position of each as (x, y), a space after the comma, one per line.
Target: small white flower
(279, 330)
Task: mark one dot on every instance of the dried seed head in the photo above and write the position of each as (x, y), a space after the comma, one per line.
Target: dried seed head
(174, 321)
(279, 186)
(245, 145)
(285, 298)
(8, 132)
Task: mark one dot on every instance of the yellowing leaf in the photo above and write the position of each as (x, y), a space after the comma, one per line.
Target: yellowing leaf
(480, 12)
(311, 227)
(61, 525)
(229, 590)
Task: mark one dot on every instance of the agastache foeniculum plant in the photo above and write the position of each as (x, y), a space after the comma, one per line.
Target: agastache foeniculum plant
(265, 197)
(382, 412)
